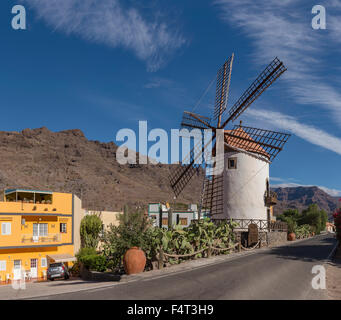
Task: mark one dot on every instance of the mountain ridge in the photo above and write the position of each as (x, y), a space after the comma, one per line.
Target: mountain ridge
(301, 197)
(66, 161)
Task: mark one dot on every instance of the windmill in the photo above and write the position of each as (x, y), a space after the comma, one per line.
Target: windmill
(254, 149)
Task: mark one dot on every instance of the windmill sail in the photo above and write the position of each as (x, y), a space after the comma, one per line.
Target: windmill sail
(264, 80)
(223, 88)
(213, 195)
(183, 173)
(195, 121)
(265, 143)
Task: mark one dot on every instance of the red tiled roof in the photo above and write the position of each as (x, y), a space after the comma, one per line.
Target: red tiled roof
(248, 145)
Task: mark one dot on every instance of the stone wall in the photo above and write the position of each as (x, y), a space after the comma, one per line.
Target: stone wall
(276, 238)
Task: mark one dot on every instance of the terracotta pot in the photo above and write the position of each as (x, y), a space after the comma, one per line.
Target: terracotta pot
(134, 261)
(291, 236)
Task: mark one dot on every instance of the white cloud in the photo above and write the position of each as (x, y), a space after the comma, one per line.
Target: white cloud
(331, 192)
(283, 29)
(282, 179)
(309, 133)
(109, 22)
(157, 82)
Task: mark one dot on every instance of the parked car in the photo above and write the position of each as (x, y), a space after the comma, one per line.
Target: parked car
(58, 270)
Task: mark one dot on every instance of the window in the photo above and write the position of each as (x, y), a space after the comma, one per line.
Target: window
(232, 163)
(43, 262)
(267, 186)
(3, 265)
(6, 228)
(154, 207)
(34, 263)
(183, 221)
(63, 228)
(40, 229)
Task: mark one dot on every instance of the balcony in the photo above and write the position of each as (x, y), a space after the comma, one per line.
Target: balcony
(270, 198)
(31, 239)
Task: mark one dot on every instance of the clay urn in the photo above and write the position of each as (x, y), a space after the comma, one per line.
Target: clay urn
(134, 261)
(291, 236)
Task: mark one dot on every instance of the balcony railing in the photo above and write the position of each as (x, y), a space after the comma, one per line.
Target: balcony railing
(29, 238)
(270, 198)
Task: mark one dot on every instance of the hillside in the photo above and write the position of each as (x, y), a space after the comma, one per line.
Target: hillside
(67, 161)
(302, 197)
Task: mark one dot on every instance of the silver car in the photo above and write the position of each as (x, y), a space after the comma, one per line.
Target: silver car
(57, 270)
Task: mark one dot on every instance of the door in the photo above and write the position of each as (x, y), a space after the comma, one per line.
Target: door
(39, 230)
(34, 268)
(17, 270)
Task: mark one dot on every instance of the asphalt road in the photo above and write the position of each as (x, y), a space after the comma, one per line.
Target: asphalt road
(279, 273)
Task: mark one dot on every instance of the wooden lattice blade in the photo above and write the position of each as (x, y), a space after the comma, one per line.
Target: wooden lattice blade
(182, 173)
(223, 88)
(273, 71)
(265, 143)
(195, 121)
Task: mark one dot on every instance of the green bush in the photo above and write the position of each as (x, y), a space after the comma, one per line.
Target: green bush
(91, 260)
(86, 252)
(312, 216)
(94, 262)
(91, 226)
(75, 269)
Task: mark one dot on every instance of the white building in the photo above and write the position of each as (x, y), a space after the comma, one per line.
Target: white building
(246, 189)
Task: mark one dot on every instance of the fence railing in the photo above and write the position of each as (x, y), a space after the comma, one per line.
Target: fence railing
(278, 226)
(263, 225)
(209, 251)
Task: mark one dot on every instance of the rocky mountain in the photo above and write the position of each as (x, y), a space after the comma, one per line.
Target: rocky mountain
(67, 161)
(302, 197)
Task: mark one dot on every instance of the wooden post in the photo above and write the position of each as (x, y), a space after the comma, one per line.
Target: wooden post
(160, 260)
(239, 247)
(170, 218)
(209, 251)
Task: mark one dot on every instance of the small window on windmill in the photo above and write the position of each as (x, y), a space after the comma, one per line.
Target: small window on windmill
(232, 163)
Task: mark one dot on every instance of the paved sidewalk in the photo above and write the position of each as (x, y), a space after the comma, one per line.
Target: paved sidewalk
(35, 290)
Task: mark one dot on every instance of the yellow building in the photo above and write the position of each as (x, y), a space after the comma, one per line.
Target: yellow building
(36, 228)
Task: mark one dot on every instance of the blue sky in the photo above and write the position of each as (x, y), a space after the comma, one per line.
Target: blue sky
(104, 65)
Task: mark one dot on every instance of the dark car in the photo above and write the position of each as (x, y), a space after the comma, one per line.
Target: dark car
(57, 270)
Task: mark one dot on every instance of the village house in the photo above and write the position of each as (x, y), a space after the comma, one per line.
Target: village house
(36, 228)
(330, 227)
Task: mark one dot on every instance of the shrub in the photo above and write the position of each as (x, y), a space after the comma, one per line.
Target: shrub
(337, 222)
(312, 216)
(91, 226)
(94, 262)
(75, 269)
(86, 252)
(91, 260)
